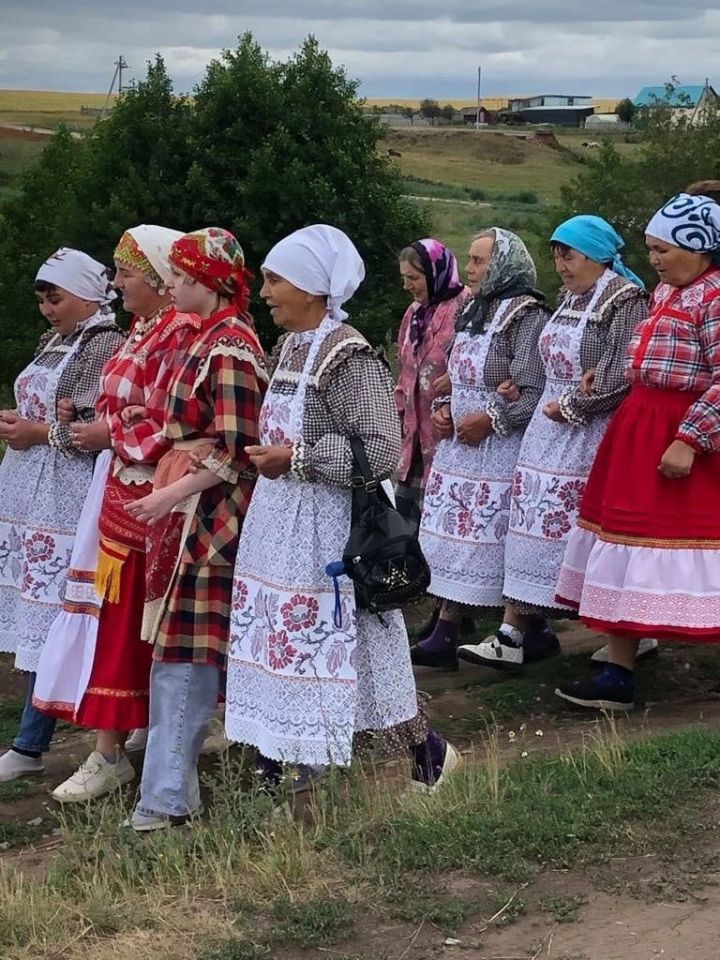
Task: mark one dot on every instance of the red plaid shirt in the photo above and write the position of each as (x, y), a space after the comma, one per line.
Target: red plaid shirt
(678, 348)
(217, 393)
(140, 373)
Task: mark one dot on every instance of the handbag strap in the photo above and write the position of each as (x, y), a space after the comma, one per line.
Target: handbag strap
(362, 475)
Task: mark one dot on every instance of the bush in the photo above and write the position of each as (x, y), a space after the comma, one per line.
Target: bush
(264, 148)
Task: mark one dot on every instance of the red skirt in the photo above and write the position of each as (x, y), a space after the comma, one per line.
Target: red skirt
(118, 691)
(645, 557)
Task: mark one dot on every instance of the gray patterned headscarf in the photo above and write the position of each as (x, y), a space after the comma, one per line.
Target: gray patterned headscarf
(511, 273)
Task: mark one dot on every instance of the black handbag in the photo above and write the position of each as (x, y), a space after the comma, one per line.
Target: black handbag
(383, 556)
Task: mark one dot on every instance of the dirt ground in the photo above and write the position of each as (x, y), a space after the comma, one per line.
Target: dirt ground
(655, 907)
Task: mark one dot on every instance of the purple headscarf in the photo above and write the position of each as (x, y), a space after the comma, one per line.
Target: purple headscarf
(443, 283)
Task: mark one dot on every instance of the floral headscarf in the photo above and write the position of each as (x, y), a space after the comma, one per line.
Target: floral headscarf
(146, 248)
(511, 273)
(443, 283)
(215, 259)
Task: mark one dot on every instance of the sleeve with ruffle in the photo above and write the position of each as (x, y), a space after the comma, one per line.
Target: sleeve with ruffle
(526, 370)
(611, 384)
(700, 427)
(234, 388)
(92, 357)
(359, 396)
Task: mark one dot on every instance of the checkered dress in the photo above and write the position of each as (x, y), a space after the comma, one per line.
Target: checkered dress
(217, 394)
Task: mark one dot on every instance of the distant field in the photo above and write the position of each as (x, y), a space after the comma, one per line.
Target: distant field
(47, 109)
(485, 159)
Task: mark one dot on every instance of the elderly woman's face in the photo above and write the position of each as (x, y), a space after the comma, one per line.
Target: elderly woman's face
(414, 281)
(674, 265)
(289, 306)
(577, 272)
(479, 257)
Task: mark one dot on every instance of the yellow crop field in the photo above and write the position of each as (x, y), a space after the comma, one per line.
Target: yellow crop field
(48, 108)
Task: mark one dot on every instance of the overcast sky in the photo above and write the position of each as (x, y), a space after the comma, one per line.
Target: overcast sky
(405, 48)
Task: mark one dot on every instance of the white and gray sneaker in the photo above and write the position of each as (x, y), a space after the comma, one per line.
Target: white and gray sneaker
(646, 648)
(502, 650)
(137, 740)
(14, 765)
(94, 778)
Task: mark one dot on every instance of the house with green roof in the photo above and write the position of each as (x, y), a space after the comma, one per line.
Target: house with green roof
(690, 100)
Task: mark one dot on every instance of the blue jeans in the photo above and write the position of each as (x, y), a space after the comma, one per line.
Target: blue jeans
(183, 697)
(36, 729)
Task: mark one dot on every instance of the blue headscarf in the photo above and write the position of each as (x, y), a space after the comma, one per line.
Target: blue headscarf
(594, 237)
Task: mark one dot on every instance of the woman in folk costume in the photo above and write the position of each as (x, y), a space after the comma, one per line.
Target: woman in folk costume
(601, 304)
(430, 275)
(44, 479)
(194, 518)
(95, 669)
(467, 499)
(307, 672)
(645, 556)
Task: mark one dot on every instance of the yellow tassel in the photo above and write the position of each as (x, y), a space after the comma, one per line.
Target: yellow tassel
(111, 558)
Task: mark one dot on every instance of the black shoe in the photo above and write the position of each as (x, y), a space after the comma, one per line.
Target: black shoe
(419, 657)
(540, 644)
(616, 698)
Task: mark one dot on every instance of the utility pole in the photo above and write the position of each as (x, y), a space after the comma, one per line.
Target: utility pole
(120, 65)
(477, 112)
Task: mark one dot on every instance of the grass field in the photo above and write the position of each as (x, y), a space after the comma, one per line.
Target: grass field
(45, 109)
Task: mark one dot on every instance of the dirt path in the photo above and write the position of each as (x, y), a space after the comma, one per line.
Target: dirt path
(642, 908)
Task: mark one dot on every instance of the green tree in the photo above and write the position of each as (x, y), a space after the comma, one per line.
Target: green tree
(85, 192)
(430, 109)
(263, 148)
(625, 110)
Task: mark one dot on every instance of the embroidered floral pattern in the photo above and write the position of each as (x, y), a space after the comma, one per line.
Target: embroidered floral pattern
(556, 525)
(300, 613)
(571, 494)
(40, 546)
(281, 652)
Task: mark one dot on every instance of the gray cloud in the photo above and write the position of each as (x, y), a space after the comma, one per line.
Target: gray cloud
(408, 48)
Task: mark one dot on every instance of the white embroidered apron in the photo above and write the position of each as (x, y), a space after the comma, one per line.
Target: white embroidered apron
(552, 467)
(299, 686)
(42, 496)
(66, 660)
(467, 498)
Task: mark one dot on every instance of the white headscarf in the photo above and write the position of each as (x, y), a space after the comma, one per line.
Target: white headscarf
(79, 274)
(691, 223)
(321, 260)
(155, 243)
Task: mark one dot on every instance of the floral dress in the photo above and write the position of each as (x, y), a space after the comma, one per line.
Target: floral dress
(43, 489)
(306, 670)
(467, 499)
(555, 458)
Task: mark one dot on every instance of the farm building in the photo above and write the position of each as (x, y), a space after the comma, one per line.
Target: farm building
(470, 115)
(556, 109)
(687, 100)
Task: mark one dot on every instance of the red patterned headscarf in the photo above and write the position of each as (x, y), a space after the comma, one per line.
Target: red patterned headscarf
(215, 259)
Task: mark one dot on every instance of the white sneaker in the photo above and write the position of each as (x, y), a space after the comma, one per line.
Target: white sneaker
(646, 648)
(493, 652)
(216, 740)
(451, 762)
(94, 778)
(14, 765)
(136, 741)
(149, 822)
